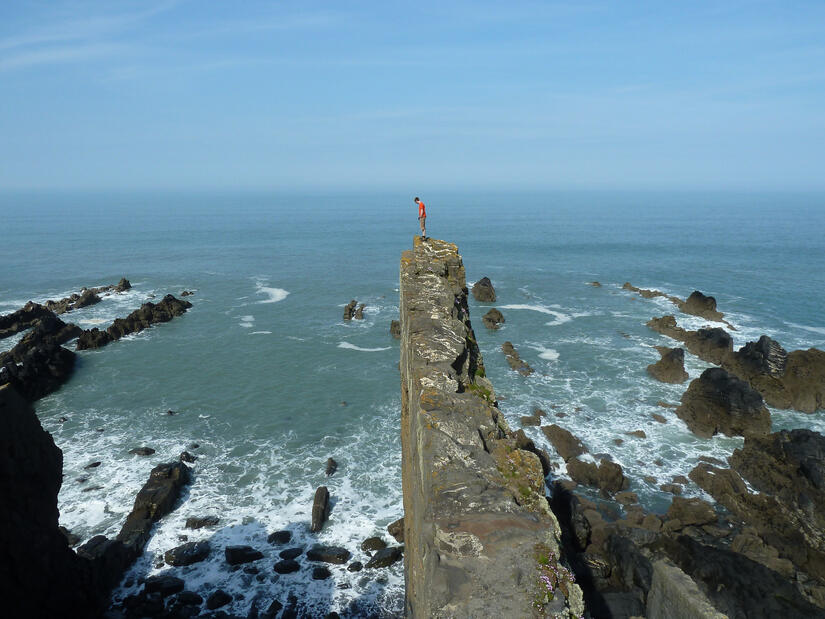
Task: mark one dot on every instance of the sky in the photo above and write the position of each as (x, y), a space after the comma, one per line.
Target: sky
(202, 95)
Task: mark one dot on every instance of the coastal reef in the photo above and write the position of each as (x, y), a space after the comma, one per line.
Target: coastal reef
(480, 539)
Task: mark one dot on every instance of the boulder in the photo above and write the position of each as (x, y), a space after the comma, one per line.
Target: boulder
(385, 557)
(165, 584)
(328, 554)
(483, 291)
(291, 553)
(567, 445)
(671, 367)
(123, 285)
(396, 529)
(198, 522)
(395, 329)
(217, 599)
(607, 476)
(320, 509)
(719, 402)
(355, 566)
(701, 305)
(287, 566)
(142, 451)
(691, 511)
(236, 555)
(493, 319)
(371, 544)
(321, 572)
(331, 467)
(279, 537)
(187, 554)
(359, 313)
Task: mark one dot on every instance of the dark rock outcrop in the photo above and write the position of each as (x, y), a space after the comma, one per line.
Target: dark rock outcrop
(697, 304)
(187, 554)
(719, 402)
(331, 467)
(396, 529)
(349, 310)
(385, 557)
(320, 509)
(236, 555)
(607, 476)
(198, 522)
(395, 329)
(478, 531)
(22, 319)
(40, 576)
(147, 315)
(671, 367)
(359, 313)
(483, 291)
(328, 554)
(514, 360)
(493, 319)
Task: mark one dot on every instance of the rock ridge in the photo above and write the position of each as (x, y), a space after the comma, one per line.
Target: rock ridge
(480, 539)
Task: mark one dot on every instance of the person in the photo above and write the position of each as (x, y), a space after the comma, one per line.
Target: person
(422, 217)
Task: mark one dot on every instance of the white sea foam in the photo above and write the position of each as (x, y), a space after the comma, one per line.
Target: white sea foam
(247, 322)
(273, 294)
(349, 346)
(561, 318)
(820, 330)
(545, 353)
(261, 333)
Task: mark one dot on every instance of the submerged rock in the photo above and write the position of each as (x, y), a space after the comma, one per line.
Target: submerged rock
(514, 360)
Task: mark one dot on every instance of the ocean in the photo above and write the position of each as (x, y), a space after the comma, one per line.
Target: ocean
(269, 381)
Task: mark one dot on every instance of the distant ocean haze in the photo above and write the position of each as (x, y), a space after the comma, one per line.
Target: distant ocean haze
(270, 381)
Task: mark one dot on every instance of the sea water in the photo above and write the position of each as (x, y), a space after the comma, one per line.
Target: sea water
(265, 376)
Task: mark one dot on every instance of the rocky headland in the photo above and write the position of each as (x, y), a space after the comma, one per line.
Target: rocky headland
(479, 536)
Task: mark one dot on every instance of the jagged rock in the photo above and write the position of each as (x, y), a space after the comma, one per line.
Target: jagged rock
(515, 361)
(671, 367)
(147, 315)
(523, 442)
(493, 319)
(701, 305)
(349, 310)
(187, 554)
(396, 529)
(123, 285)
(567, 445)
(385, 557)
(483, 291)
(164, 584)
(691, 511)
(331, 467)
(320, 509)
(217, 599)
(395, 329)
(607, 476)
(372, 544)
(279, 537)
(236, 555)
(198, 522)
(187, 457)
(142, 451)
(40, 576)
(719, 402)
(328, 554)
(186, 293)
(359, 313)
(22, 319)
(43, 367)
(291, 553)
(71, 538)
(287, 566)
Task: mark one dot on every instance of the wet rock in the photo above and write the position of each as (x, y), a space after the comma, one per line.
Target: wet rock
(671, 367)
(236, 555)
(37, 368)
(355, 566)
(514, 360)
(198, 522)
(189, 598)
(719, 402)
(332, 466)
(671, 488)
(147, 315)
(142, 451)
(165, 584)
(291, 553)
(385, 557)
(287, 566)
(567, 445)
(123, 285)
(396, 529)
(701, 305)
(691, 511)
(627, 498)
(493, 319)
(187, 554)
(92, 465)
(637, 433)
(483, 291)
(372, 544)
(217, 599)
(607, 476)
(395, 329)
(187, 457)
(321, 573)
(320, 509)
(595, 284)
(22, 319)
(71, 538)
(186, 293)
(349, 310)
(659, 418)
(328, 554)
(279, 537)
(359, 313)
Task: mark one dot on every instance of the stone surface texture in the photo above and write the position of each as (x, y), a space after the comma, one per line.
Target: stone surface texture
(477, 526)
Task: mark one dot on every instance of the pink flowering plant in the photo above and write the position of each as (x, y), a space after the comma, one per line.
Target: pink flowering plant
(552, 578)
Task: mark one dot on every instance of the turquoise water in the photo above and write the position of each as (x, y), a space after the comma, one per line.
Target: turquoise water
(260, 368)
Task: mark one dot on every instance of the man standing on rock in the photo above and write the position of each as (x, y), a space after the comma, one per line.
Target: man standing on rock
(422, 217)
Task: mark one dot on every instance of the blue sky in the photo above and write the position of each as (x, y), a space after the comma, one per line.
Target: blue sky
(466, 95)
